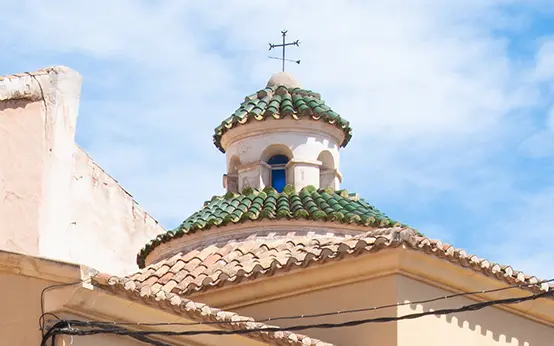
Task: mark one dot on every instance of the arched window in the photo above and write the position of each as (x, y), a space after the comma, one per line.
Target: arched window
(278, 171)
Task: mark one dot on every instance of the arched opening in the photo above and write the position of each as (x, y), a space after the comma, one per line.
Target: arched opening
(278, 171)
(233, 166)
(326, 170)
(277, 156)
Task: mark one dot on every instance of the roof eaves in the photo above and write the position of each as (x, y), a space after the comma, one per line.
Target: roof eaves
(370, 242)
(204, 313)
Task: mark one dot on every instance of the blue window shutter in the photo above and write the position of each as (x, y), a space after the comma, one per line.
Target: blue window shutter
(278, 171)
(278, 179)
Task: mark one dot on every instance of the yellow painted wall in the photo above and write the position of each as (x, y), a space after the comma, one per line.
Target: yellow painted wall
(490, 326)
(369, 293)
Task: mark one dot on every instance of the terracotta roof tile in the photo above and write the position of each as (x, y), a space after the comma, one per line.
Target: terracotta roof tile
(150, 281)
(161, 271)
(320, 205)
(165, 278)
(169, 286)
(203, 313)
(238, 261)
(184, 283)
(180, 275)
(145, 275)
(176, 268)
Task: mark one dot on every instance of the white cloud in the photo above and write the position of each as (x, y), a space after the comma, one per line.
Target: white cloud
(523, 238)
(545, 61)
(430, 88)
(540, 144)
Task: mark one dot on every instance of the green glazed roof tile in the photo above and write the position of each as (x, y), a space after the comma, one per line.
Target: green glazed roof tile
(309, 204)
(280, 102)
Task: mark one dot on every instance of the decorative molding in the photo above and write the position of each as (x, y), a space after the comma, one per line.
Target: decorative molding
(262, 128)
(294, 162)
(249, 166)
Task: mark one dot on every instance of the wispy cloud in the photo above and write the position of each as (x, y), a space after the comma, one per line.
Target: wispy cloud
(448, 100)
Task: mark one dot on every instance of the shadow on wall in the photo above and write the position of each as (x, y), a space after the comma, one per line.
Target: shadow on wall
(325, 143)
(14, 104)
(493, 325)
(274, 150)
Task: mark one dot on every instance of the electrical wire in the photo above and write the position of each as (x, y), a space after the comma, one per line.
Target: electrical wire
(108, 326)
(325, 314)
(61, 326)
(142, 338)
(47, 288)
(104, 329)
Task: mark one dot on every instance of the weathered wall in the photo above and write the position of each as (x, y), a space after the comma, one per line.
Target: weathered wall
(106, 219)
(490, 326)
(304, 145)
(21, 167)
(353, 296)
(55, 201)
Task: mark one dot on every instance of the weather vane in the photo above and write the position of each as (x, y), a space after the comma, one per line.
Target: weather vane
(284, 45)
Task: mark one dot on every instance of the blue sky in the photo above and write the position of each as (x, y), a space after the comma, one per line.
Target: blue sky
(452, 102)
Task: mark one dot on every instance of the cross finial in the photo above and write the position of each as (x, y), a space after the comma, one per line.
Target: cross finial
(284, 45)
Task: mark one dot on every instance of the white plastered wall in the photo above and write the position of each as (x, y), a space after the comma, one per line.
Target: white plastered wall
(302, 140)
(55, 201)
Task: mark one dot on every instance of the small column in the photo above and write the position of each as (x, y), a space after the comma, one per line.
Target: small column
(302, 173)
(231, 182)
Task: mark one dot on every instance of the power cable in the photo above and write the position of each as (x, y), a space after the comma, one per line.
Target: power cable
(103, 329)
(47, 288)
(325, 314)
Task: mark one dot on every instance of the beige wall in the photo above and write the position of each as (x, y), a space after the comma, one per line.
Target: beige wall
(69, 295)
(20, 306)
(55, 202)
(100, 340)
(368, 293)
(490, 326)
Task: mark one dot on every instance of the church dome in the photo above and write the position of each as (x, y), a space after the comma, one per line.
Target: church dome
(282, 180)
(282, 98)
(323, 205)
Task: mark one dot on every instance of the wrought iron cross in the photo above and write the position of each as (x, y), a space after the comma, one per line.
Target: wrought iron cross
(284, 45)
